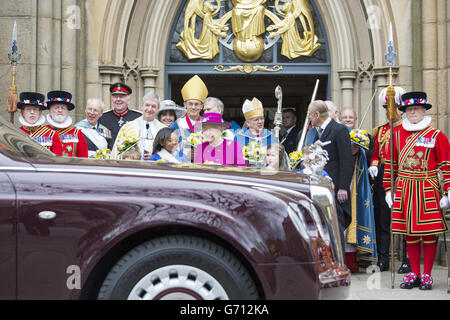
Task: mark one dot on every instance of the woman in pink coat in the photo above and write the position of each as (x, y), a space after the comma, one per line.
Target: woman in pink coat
(216, 149)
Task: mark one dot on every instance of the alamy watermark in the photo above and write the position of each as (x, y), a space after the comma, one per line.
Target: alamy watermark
(374, 280)
(374, 14)
(73, 17)
(74, 279)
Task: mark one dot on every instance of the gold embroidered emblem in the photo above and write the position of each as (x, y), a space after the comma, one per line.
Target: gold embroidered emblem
(411, 161)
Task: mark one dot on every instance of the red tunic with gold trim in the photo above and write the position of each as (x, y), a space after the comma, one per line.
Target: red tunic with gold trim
(381, 135)
(73, 142)
(46, 137)
(418, 155)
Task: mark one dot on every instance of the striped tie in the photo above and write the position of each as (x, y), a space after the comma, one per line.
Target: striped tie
(320, 132)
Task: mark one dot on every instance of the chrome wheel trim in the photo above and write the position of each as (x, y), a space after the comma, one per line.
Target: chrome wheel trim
(178, 282)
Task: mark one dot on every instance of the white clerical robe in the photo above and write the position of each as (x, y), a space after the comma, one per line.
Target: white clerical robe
(138, 129)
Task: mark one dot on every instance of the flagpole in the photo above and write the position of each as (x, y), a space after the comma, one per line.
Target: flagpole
(14, 58)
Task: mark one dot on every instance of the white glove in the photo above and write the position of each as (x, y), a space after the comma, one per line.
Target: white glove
(373, 171)
(444, 203)
(389, 199)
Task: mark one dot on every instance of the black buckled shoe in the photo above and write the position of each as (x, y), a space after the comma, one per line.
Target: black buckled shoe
(410, 280)
(426, 282)
(404, 268)
(383, 266)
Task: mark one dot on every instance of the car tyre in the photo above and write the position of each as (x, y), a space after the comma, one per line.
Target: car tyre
(178, 267)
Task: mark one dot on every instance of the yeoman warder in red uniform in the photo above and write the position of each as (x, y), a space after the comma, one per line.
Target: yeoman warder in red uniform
(31, 105)
(59, 105)
(420, 151)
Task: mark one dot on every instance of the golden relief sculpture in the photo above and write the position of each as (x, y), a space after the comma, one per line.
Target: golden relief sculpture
(293, 45)
(206, 46)
(248, 24)
(248, 28)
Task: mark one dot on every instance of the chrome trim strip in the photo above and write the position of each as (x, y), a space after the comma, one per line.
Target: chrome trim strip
(170, 176)
(152, 175)
(18, 169)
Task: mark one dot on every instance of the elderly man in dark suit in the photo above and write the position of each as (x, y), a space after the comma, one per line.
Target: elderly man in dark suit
(340, 166)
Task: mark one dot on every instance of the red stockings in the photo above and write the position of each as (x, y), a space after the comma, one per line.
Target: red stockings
(429, 253)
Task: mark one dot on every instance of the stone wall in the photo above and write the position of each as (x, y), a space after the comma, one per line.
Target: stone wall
(52, 43)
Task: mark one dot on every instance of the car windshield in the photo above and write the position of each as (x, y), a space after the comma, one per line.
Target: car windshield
(16, 144)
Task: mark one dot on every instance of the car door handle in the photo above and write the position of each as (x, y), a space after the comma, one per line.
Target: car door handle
(47, 215)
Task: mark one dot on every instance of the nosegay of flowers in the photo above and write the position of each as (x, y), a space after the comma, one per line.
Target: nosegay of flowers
(254, 152)
(195, 139)
(295, 157)
(103, 154)
(126, 143)
(360, 137)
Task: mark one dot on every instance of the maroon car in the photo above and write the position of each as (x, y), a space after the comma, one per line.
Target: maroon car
(105, 229)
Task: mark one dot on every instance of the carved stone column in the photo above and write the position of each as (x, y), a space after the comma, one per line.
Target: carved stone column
(435, 62)
(70, 52)
(366, 90)
(149, 75)
(46, 57)
(109, 74)
(347, 78)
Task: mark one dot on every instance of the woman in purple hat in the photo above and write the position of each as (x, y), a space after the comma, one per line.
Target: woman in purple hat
(216, 149)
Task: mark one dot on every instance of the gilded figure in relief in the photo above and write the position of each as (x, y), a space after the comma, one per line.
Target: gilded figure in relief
(206, 46)
(293, 45)
(248, 25)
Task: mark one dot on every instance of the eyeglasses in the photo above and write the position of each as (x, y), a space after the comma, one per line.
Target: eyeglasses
(194, 104)
(92, 111)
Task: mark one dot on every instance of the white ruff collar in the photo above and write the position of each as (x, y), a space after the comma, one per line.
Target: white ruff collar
(408, 126)
(38, 123)
(63, 125)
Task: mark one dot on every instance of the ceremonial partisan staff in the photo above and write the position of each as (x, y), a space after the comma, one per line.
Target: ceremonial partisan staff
(392, 115)
(301, 142)
(14, 58)
(441, 182)
(367, 109)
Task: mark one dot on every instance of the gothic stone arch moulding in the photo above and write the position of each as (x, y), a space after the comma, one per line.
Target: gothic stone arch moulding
(358, 34)
(135, 36)
(132, 45)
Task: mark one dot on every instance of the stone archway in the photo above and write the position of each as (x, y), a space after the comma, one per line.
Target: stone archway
(135, 33)
(132, 45)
